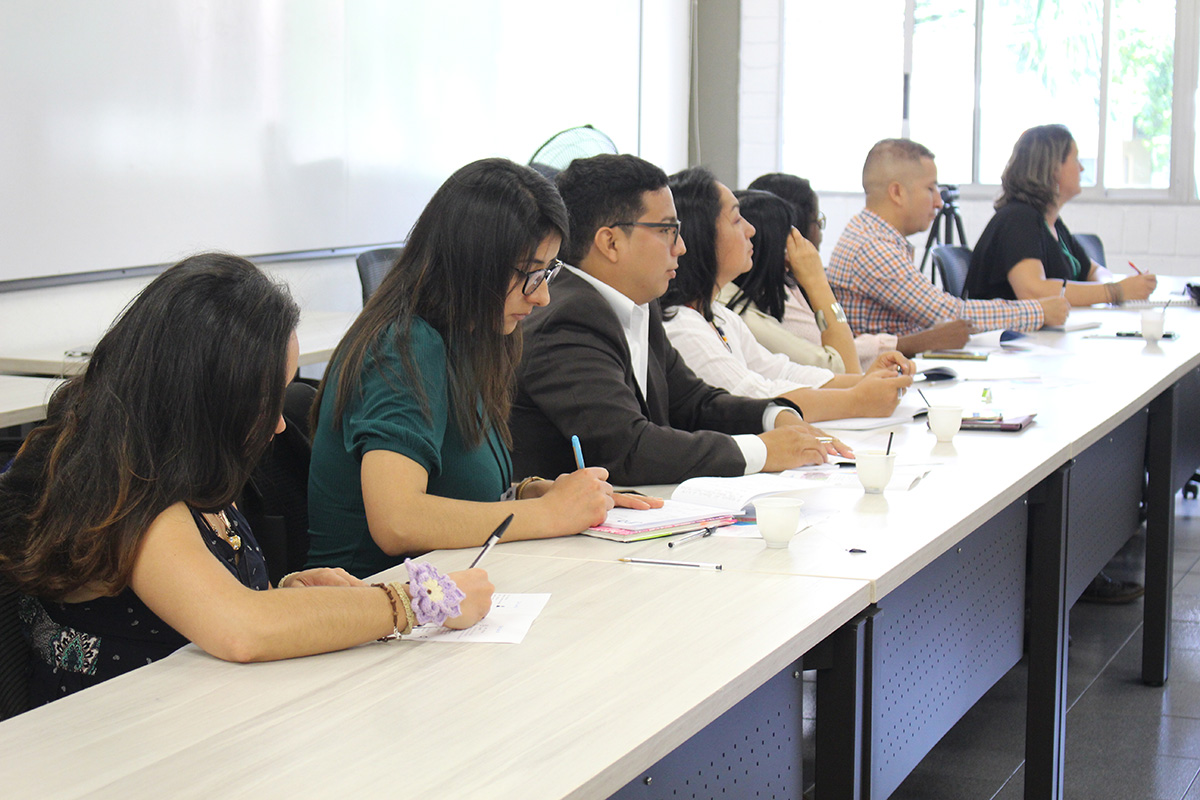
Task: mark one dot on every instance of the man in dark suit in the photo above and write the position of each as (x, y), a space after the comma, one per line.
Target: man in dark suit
(597, 363)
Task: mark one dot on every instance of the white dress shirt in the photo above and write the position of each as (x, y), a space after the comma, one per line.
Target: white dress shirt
(635, 323)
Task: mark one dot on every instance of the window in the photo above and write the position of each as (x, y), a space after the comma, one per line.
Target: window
(981, 72)
(840, 89)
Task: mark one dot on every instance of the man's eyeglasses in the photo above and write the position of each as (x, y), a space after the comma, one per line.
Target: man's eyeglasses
(536, 277)
(820, 220)
(673, 228)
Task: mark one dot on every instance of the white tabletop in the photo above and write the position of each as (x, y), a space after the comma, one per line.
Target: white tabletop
(318, 332)
(1082, 388)
(623, 665)
(598, 690)
(23, 399)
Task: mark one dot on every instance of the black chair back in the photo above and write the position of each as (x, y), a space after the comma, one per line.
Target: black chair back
(373, 267)
(1091, 243)
(952, 263)
(15, 657)
(275, 499)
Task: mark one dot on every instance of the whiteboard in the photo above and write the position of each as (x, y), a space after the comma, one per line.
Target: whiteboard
(134, 132)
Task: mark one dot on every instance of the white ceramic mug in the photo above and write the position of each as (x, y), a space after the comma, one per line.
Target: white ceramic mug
(874, 469)
(777, 519)
(945, 421)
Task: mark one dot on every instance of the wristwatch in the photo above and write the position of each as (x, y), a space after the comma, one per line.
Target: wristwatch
(838, 314)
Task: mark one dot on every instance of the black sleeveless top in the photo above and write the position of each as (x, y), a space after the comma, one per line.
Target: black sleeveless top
(76, 645)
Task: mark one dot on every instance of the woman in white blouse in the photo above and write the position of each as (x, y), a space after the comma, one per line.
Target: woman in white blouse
(717, 345)
(791, 325)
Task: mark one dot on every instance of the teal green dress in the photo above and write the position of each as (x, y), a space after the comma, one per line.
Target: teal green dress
(387, 414)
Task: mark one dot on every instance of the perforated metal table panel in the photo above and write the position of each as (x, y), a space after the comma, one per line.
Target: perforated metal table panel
(1107, 486)
(940, 641)
(753, 750)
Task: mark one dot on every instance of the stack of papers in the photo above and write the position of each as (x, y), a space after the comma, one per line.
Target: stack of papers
(696, 503)
(635, 525)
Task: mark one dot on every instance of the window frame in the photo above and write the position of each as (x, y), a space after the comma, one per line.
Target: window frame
(1185, 80)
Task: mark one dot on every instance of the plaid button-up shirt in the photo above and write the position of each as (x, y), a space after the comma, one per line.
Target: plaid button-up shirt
(872, 274)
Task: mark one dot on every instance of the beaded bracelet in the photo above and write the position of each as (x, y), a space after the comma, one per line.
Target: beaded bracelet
(283, 580)
(396, 591)
(435, 597)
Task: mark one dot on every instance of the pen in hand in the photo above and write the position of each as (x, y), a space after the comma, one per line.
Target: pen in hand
(578, 451)
(1135, 269)
(491, 540)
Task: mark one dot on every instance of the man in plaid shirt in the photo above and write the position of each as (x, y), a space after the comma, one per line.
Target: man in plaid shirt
(872, 270)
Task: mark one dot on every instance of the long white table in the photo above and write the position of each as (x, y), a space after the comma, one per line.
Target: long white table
(628, 662)
(23, 398)
(623, 665)
(1092, 401)
(57, 356)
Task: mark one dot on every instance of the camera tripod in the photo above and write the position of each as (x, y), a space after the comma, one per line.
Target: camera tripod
(946, 215)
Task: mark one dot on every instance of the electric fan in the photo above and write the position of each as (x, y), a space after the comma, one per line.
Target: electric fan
(565, 146)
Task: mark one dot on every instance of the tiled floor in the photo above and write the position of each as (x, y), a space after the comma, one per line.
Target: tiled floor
(1124, 740)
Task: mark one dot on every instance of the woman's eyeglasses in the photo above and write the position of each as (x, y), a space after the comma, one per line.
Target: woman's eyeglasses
(536, 277)
(672, 228)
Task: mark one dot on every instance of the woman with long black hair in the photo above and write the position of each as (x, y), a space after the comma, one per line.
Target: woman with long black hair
(412, 446)
(117, 521)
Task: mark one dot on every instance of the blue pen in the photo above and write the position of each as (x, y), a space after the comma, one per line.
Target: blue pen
(578, 451)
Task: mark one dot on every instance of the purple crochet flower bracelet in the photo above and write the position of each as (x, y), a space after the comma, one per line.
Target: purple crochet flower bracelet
(435, 598)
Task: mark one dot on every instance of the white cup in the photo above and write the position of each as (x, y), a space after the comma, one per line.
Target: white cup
(1152, 325)
(945, 421)
(777, 519)
(874, 469)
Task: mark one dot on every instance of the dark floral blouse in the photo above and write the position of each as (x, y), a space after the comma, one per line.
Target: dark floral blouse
(77, 645)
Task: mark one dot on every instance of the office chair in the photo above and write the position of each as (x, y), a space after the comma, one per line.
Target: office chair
(14, 659)
(275, 499)
(1091, 243)
(373, 267)
(952, 262)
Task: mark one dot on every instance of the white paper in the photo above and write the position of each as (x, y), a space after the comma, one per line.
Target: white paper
(673, 512)
(511, 617)
(904, 413)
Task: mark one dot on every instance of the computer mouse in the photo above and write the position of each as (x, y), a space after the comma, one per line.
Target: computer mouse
(936, 374)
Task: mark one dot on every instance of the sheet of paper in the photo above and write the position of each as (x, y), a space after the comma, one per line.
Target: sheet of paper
(511, 617)
(903, 413)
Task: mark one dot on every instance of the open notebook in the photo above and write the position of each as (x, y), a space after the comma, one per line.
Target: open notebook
(696, 503)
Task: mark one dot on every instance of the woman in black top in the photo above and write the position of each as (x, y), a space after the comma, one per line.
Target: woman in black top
(117, 522)
(1026, 251)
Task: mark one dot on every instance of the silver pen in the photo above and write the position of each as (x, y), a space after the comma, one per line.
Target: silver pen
(694, 535)
(662, 563)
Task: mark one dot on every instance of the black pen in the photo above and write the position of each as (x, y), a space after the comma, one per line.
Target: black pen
(491, 540)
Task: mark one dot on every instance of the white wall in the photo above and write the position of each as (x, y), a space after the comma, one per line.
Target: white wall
(1158, 236)
(82, 312)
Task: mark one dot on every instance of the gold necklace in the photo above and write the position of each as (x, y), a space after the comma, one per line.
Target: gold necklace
(234, 540)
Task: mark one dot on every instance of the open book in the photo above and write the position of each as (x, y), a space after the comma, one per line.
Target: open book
(696, 503)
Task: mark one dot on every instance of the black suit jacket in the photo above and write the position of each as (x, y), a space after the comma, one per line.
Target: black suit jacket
(576, 378)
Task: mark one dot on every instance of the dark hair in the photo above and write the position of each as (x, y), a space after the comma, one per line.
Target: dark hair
(601, 190)
(1029, 177)
(764, 285)
(698, 204)
(178, 402)
(455, 273)
(795, 190)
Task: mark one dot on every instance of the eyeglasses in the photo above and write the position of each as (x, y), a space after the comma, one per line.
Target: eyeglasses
(673, 228)
(536, 277)
(820, 220)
